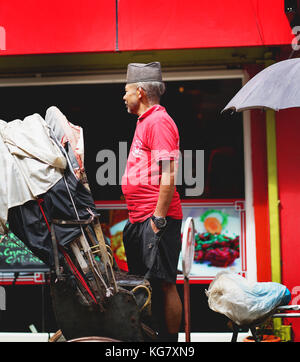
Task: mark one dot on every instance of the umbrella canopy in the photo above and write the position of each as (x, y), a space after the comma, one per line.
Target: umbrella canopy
(276, 87)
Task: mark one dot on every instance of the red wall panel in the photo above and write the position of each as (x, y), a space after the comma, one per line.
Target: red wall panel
(260, 195)
(183, 24)
(288, 155)
(260, 187)
(38, 27)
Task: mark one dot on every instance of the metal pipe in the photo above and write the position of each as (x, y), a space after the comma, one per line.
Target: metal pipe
(286, 315)
(187, 313)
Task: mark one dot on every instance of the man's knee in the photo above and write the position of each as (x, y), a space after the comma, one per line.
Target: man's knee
(168, 287)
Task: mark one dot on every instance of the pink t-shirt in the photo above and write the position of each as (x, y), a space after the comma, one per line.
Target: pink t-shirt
(155, 139)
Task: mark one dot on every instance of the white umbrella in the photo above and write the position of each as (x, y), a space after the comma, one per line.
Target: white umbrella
(276, 87)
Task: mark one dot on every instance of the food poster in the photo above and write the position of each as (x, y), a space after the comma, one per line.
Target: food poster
(113, 222)
(219, 239)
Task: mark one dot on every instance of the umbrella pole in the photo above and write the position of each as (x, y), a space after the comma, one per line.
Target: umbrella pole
(273, 202)
(187, 312)
(273, 196)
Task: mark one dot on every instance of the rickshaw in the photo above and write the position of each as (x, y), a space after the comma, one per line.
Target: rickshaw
(90, 295)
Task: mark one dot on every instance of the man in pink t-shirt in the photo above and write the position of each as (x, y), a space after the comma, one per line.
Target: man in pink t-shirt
(152, 236)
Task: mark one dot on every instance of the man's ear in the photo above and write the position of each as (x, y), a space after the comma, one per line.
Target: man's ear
(140, 92)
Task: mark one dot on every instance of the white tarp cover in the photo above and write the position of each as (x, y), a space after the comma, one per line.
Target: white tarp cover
(30, 162)
(66, 132)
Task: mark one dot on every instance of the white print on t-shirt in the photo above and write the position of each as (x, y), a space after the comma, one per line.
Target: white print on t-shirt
(136, 148)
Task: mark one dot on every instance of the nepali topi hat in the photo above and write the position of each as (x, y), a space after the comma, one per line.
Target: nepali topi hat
(140, 72)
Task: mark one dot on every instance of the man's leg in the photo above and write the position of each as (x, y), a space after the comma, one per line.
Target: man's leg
(172, 307)
(167, 306)
(167, 310)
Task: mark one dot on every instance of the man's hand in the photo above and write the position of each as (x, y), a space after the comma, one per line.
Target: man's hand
(154, 228)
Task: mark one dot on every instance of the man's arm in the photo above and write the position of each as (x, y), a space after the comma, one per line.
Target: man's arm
(166, 190)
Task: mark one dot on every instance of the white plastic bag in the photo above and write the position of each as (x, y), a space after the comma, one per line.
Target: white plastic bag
(244, 302)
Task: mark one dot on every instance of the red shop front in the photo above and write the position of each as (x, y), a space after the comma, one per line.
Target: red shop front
(75, 56)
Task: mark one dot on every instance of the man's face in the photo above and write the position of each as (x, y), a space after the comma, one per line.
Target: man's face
(131, 98)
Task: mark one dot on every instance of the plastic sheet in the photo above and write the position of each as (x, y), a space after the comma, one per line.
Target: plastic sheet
(244, 302)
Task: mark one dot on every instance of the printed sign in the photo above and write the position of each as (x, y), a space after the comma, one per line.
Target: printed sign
(219, 238)
(15, 256)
